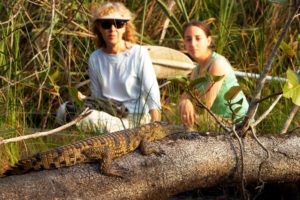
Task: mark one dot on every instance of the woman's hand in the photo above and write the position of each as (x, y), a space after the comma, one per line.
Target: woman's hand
(81, 96)
(155, 115)
(187, 112)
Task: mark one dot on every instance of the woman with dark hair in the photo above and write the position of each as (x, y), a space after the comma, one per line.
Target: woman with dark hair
(197, 42)
(121, 71)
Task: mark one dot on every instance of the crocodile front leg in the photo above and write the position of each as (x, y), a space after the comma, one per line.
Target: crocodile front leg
(147, 148)
(104, 156)
(106, 164)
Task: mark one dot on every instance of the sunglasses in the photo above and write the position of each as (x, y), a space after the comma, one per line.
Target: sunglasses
(107, 24)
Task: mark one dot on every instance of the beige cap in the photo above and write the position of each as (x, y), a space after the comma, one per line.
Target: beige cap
(111, 10)
(115, 15)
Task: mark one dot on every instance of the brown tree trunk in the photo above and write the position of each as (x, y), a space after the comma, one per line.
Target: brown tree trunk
(194, 162)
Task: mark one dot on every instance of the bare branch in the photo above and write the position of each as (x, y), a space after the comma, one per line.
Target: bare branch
(166, 24)
(243, 179)
(269, 96)
(85, 113)
(290, 118)
(266, 113)
(264, 162)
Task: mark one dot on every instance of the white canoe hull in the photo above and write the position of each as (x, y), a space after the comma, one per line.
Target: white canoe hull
(169, 62)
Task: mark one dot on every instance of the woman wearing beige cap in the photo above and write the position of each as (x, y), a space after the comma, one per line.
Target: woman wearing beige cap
(121, 71)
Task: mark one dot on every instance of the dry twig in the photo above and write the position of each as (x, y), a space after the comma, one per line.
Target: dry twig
(266, 113)
(290, 118)
(85, 113)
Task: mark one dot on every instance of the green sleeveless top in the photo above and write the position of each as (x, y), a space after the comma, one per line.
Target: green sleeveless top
(219, 106)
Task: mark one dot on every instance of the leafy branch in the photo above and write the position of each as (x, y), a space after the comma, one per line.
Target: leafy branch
(261, 81)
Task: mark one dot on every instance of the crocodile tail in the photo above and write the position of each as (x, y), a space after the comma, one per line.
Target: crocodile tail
(53, 159)
(3, 170)
(20, 168)
(33, 163)
(36, 162)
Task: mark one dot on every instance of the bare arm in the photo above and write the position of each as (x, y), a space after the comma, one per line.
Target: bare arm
(186, 108)
(186, 111)
(219, 67)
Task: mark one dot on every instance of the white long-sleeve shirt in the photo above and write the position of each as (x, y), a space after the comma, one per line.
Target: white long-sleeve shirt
(127, 77)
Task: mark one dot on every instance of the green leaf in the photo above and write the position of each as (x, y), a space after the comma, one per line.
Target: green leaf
(238, 120)
(239, 102)
(293, 77)
(232, 92)
(73, 93)
(213, 78)
(237, 109)
(54, 77)
(182, 80)
(292, 88)
(216, 78)
(197, 81)
(287, 49)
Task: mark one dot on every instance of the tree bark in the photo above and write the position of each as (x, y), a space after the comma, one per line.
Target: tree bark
(188, 163)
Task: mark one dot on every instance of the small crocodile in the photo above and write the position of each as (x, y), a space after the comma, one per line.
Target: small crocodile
(102, 149)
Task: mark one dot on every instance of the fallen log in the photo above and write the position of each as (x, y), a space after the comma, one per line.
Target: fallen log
(188, 163)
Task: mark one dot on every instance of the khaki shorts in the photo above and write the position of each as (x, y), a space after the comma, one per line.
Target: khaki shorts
(104, 122)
